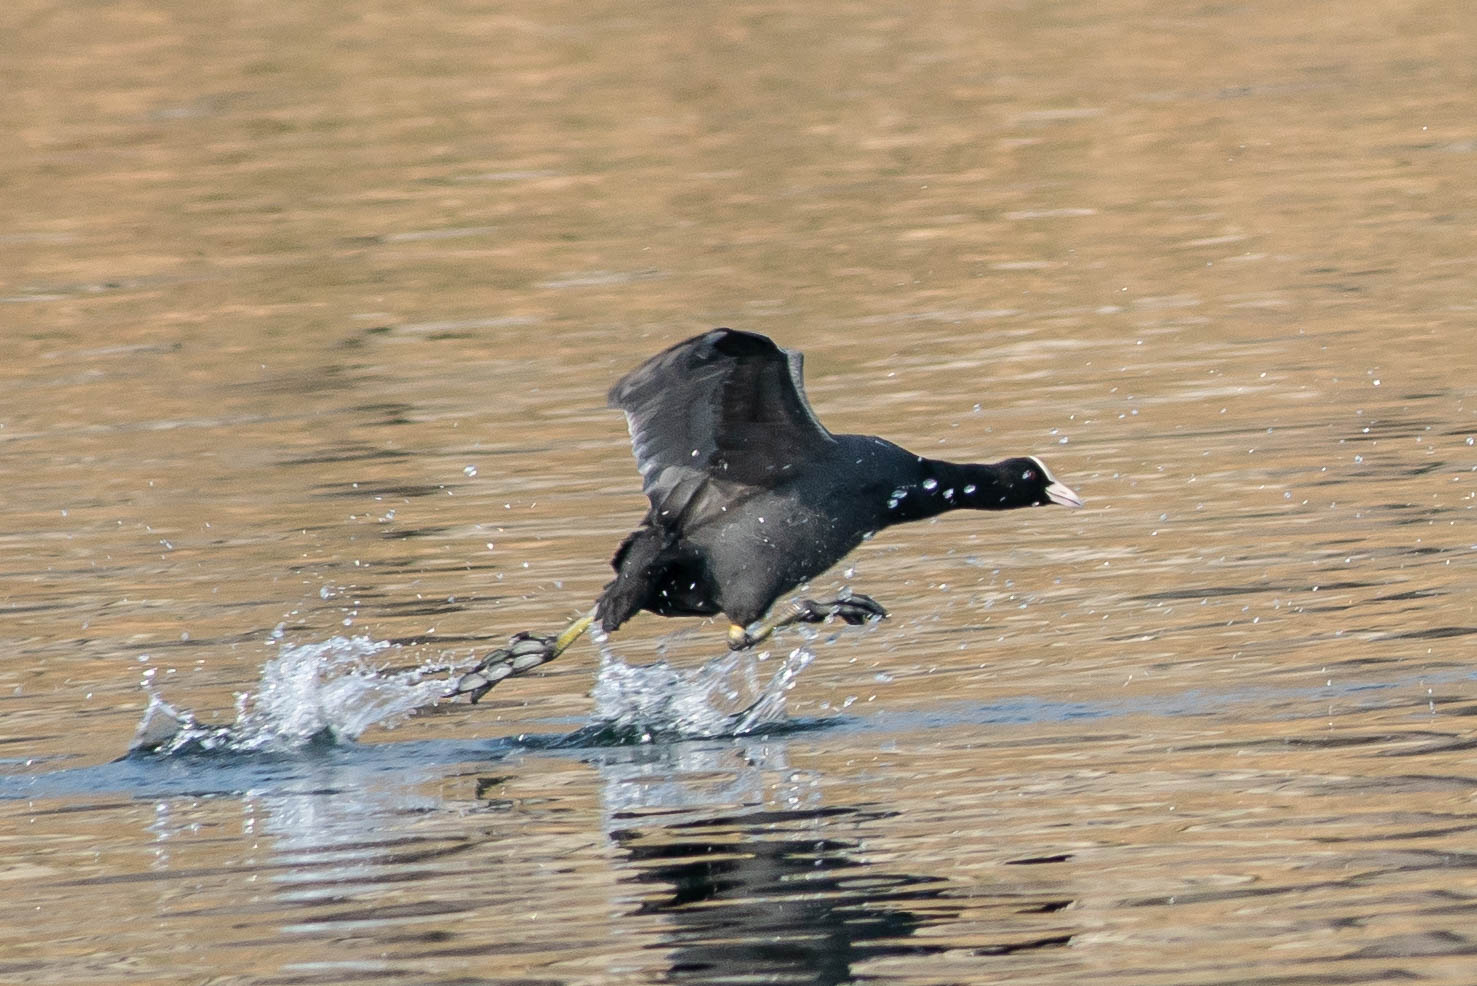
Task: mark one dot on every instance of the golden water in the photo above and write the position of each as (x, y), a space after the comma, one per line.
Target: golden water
(309, 315)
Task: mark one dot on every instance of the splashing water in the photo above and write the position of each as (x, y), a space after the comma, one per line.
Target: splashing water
(311, 694)
(724, 697)
(328, 693)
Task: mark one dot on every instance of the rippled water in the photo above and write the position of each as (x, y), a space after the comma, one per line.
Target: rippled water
(310, 316)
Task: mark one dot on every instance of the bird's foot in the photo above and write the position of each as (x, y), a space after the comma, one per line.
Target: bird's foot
(524, 652)
(855, 609)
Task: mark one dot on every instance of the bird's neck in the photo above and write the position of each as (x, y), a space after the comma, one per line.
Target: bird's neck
(941, 486)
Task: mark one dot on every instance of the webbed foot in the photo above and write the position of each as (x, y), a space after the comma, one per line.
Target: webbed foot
(855, 609)
(524, 652)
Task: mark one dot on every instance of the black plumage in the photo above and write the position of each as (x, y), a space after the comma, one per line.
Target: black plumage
(750, 496)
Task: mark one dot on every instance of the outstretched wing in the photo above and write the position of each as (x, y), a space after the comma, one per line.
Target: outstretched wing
(715, 419)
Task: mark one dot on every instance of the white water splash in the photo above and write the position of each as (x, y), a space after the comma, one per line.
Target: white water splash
(724, 697)
(324, 692)
(331, 692)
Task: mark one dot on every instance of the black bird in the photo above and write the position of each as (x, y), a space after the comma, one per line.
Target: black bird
(751, 496)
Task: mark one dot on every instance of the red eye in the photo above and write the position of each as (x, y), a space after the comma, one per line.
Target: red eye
(1028, 475)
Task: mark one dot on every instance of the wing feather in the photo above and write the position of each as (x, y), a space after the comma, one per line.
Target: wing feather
(715, 419)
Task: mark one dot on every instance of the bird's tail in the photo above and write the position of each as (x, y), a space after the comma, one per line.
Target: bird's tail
(624, 595)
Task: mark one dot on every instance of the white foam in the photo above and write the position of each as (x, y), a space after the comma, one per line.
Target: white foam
(331, 692)
(307, 693)
(724, 697)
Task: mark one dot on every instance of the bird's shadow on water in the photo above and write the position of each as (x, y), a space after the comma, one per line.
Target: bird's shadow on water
(751, 867)
(748, 866)
(742, 868)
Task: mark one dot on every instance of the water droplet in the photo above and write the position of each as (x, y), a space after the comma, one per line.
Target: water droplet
(469, 471)
(304, 694)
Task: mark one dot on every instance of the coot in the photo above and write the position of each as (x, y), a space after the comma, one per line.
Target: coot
(751, 496)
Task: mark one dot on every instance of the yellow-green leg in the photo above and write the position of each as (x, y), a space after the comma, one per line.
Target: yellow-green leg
(524, 652)
(854, 609)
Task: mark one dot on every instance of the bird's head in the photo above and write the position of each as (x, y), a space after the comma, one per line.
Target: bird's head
(1031, 483)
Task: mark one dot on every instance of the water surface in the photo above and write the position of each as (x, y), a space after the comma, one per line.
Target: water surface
(310, 316)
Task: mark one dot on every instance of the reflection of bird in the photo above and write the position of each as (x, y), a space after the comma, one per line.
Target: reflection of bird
(778, 897)
(751, 496)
